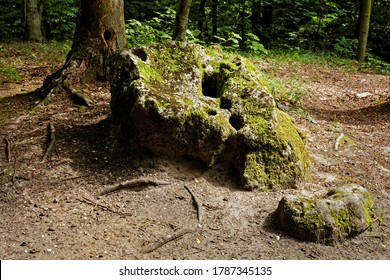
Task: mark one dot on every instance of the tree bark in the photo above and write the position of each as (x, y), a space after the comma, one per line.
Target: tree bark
(202, 21)
(214, 17)
(32, 20)
(256, 17)
(364, 28)
(100, 30)
(181, 20)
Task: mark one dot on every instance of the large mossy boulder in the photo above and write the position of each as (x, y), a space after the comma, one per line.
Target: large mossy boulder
(178, 99)
(343, 212)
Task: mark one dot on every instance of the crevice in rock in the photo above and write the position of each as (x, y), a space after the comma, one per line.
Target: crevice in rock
(226, 103)
(212, 86)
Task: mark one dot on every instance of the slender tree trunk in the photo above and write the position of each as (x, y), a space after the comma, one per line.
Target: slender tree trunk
(242, 24)
(364, 28)
(32, 20)
(202, 21)
(214, 17)
(181, 20)
(256, 18)
(100, 30)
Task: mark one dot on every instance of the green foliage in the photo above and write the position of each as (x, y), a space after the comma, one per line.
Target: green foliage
(59, 19)
(10, 20)
(9, 73)
(155, 30)
(346, 47)
(249, 26)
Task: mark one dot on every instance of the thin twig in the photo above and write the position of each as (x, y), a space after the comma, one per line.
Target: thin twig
(197, 203)
(167, 239)
(104, 207)
(52, 137)
(132, 184)
(7, 149)
(70, 178)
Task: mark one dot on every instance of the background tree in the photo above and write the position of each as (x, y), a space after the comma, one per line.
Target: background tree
(314, 25)
(364, 28)
(100, 30)
(32, 20)
(181, 21)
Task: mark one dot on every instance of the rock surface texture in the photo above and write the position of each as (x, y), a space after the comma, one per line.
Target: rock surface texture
(177, 99)
(344, 212)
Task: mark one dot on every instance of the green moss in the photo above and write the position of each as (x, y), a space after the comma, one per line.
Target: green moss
(82, 109)
(188, 101)
(306, 217)
(149, 74)
(288, 133)
(255, 174)
(343, 222)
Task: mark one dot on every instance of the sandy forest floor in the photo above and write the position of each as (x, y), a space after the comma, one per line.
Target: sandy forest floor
(50, 210)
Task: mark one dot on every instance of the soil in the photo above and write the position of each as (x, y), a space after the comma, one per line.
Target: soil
(52, 209)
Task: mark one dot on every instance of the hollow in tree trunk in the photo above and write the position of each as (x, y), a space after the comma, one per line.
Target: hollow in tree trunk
(100, 30)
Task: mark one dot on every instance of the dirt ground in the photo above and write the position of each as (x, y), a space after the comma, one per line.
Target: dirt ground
(51, 209)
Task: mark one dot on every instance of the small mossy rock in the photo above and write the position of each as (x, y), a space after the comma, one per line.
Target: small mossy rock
(343, 212)
(178, 99)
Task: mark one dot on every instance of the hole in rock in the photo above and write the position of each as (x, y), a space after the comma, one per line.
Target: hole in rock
(226, 103)
(211, 112)
(212, 86)
(236, 121)
(141, 54)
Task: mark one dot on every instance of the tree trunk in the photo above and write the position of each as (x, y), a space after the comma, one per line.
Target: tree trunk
(181, 20)
(242, 24)
(202, 21)
(256, 17)
(100, 30)
(32, 20)
(364, 28)
(214, 17)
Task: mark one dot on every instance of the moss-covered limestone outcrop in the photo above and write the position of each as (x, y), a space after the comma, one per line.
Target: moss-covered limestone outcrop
(177, 99)
(343, 212)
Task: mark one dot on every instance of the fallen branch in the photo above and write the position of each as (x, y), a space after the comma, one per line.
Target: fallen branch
(52, 138)
(7, 149)
(104, 207)
(166, 239)
(132, 184)
(197, 203)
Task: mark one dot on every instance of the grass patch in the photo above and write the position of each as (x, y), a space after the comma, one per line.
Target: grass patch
(327, 60)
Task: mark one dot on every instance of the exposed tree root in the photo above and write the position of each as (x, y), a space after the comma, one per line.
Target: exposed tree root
(55, 80)
(77, 96)
(52, 138)
(198, 204)
(132, 184)
(71, 70)
(166, 239)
